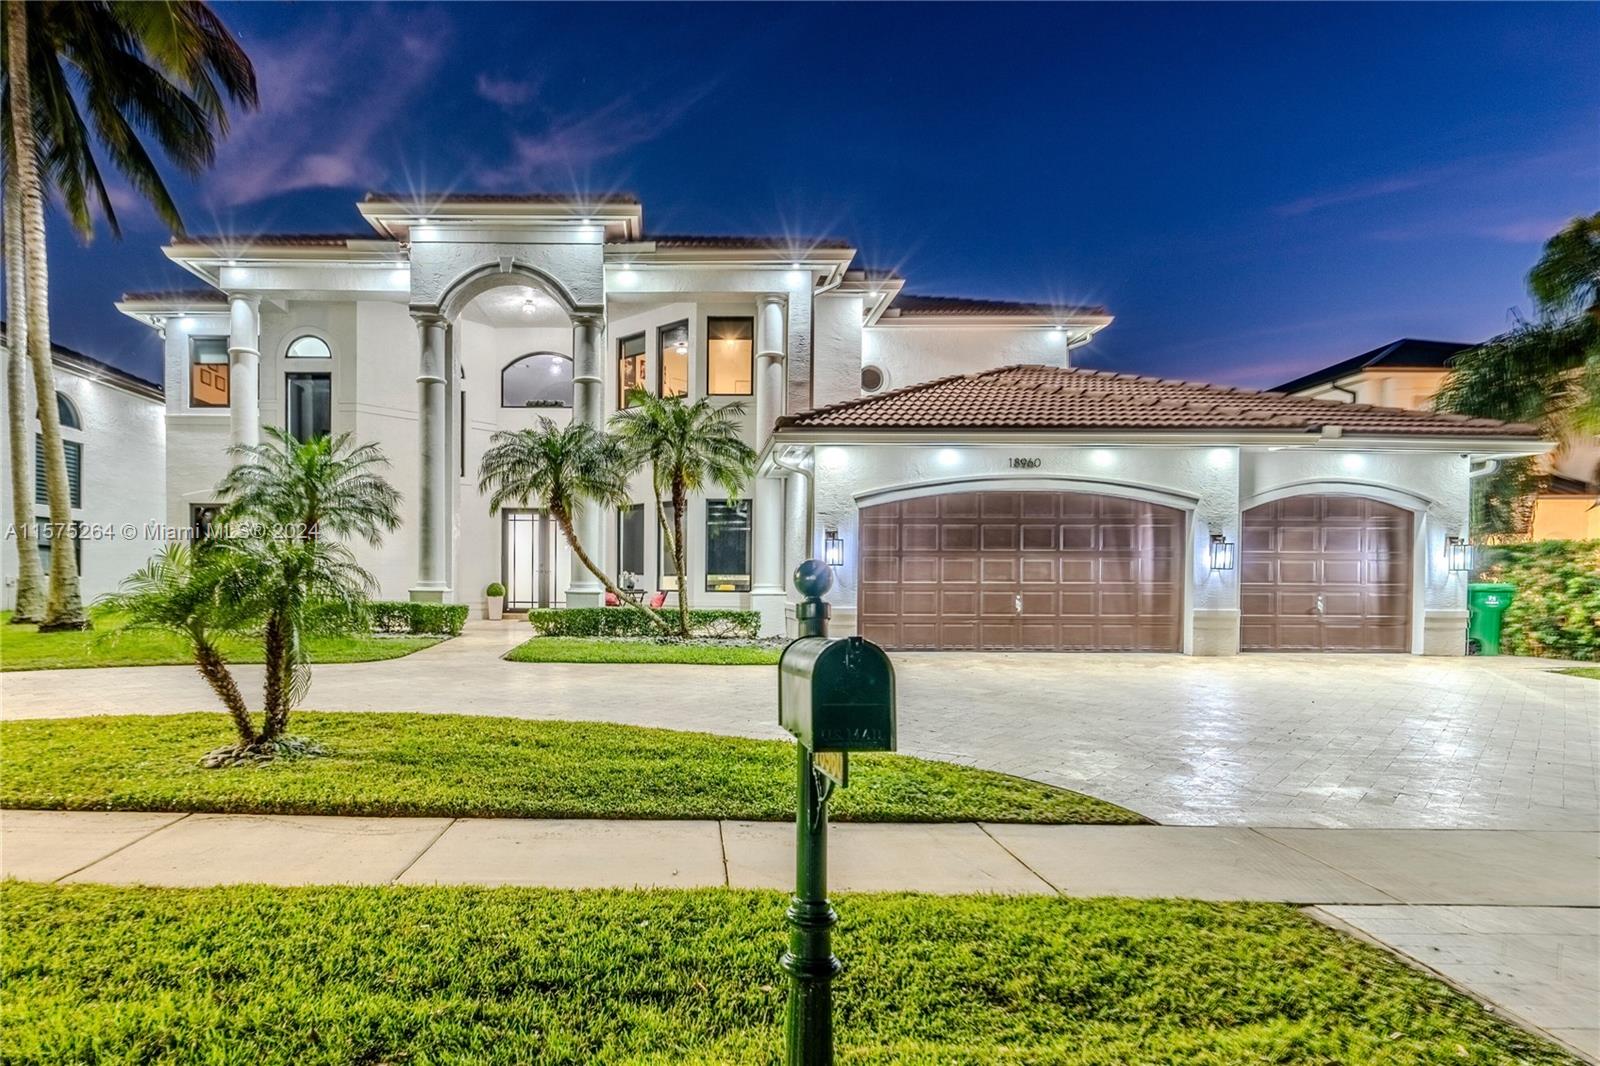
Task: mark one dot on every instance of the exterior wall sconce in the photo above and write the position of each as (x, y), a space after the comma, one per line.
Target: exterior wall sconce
(833, 548)
(1458, 554)
(1220, 552)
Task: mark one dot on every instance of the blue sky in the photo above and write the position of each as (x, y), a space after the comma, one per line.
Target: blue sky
(1253, 190)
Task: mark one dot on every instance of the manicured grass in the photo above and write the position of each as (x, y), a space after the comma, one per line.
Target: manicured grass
(427, 764)
(23, 647)
(601, 650)
(433, 975)
(1591, 672)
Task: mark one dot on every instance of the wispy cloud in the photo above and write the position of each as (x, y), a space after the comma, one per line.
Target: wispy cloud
(326, 97)
(509, 93)
(568, 144)
(1525, 231)
(1368, 190)
(1514, 231)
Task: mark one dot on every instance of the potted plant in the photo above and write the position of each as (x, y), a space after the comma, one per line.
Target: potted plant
(494, 598)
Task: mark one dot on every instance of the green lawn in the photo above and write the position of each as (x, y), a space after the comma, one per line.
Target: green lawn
(429, 764)
(23, 647)
(602, 650)
(434, 975)
(1591, 672)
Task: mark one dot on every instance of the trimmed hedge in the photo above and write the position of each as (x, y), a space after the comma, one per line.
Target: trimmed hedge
(403, 616)
(1556, 610)
(626, 622)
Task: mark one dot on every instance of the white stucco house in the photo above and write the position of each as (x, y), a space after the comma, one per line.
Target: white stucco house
(974, 489)
(113, 428)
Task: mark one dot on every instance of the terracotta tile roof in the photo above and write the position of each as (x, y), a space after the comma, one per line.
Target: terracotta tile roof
(424, 200)
(909, 304)
(1043, 397)
(176, 296)
(1406, 353)
(276, 240)
(797, 245)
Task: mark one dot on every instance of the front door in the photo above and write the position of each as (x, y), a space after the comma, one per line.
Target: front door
(528, 558)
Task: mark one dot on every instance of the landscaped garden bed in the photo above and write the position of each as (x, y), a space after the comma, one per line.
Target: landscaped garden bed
(644, 650)
(23, 647)
(414, 975)
(459, 765)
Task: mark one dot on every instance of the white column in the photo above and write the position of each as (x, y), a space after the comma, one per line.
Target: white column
(766, 588)
(588, 408)
(433, 462)
(244, 368)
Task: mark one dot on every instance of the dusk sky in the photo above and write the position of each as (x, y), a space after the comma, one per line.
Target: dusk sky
(1252, 190)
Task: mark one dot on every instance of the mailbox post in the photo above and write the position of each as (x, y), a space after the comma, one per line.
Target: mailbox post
(835, 696)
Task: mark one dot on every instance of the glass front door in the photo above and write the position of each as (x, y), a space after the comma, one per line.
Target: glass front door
(527, 563)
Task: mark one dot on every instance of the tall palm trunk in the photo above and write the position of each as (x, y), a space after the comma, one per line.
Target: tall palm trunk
(30, 575)
(276, 687)
(564, 523)
(214, 668)
(64, 605)
(680, 554)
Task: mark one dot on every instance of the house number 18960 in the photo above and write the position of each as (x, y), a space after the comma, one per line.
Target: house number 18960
(1024, 462)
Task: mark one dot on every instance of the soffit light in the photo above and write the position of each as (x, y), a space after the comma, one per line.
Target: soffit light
(1220, 552)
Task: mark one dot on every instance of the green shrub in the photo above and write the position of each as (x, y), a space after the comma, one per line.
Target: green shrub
(626, 622)
(495, 589)
(1556, 610)
(403, 616)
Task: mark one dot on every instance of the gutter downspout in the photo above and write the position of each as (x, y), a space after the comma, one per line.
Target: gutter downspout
(811, 493)
(1487, 467)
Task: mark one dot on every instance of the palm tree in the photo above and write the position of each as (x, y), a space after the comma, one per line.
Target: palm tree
(689, 446)
(564, 468)
(1546, 372)
(179, 591)
(159, 68)
(285, 503)
(29, 606)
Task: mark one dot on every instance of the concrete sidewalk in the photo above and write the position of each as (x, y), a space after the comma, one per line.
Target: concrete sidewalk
(1510, 917)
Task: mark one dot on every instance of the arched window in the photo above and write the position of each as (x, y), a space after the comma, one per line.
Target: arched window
(539, 379)
(309, 346)
(66, 412)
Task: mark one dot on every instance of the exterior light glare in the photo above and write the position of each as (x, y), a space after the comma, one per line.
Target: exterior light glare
(1352, 463)
(1101, 457)
(949, 456)
(1458, 552)
(1220, 552)
(832, 458)
(186, 322)
(833, 548)
(1219, 457)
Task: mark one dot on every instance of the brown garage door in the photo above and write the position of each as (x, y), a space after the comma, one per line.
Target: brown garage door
(1045, 571)
(1325, 573)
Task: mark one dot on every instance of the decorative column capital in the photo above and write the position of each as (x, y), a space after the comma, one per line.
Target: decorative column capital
(427, 316)
(773, 299)
(588, 319)
(251, 299)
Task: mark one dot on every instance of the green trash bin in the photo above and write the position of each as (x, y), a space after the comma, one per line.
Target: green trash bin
(1486, 606)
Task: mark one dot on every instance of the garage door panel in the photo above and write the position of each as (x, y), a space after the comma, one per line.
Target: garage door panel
(1032, 570)
(1329, 573)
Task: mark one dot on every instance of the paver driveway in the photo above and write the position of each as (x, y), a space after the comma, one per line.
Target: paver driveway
(1263, 740)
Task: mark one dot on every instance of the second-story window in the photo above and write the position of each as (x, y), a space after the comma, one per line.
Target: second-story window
(208, 372)
(630, 367)
(730, 356)
(310, 398)
(539, 379)
(673, 359)
(73, 450)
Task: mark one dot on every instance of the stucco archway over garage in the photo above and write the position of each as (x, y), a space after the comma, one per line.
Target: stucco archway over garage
(1022, 570)
(1326, 573)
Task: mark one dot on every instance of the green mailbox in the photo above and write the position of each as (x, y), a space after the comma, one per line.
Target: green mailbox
(837, 694)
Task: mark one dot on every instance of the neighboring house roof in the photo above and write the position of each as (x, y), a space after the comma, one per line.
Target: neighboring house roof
(424, 200)
(1561, 485)
(1404, 354)
(91, 367)
(1054, 398)
(911, 304)
(694, 240)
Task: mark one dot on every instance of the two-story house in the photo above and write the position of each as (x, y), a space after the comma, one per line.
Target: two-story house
(973, 489)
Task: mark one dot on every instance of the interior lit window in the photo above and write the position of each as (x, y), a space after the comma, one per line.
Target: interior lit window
(208, 372)
(630, 541)
(630, 368)
(673, 347)
(309, 347)
(730, 356)
(727, 545)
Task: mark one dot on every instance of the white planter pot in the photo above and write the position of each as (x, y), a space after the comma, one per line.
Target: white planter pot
(494, 607)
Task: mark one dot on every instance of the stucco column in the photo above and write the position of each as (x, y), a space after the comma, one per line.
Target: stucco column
(433, 462)
(588, 408)
(244, 368)
(766, 587)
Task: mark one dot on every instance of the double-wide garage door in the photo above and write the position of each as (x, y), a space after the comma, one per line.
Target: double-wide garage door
(1047, 571)
(1325, 573)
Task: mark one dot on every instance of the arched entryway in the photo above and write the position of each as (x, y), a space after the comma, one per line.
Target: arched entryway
(1021, 570)
(1325, 573)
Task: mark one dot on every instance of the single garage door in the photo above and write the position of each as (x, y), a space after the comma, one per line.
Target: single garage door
(1325, 573)
(1043, 571)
